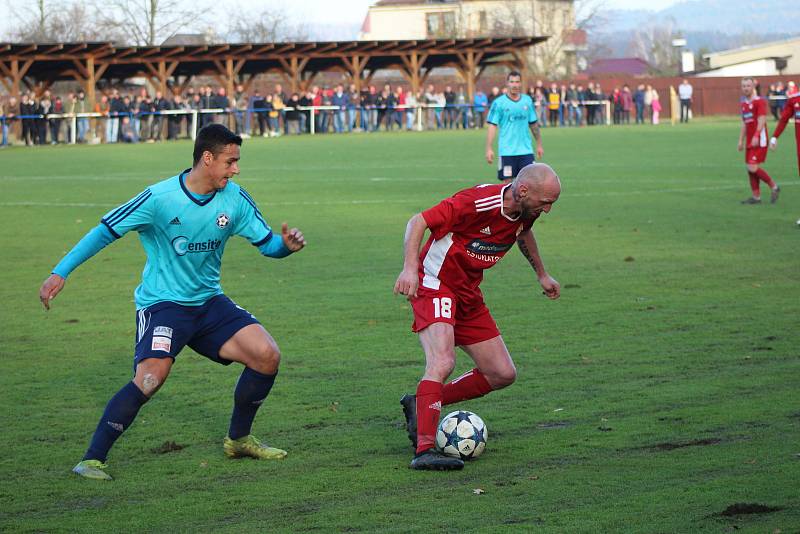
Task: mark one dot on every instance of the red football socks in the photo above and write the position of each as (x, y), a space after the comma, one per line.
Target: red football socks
(429, 406)
(762, 175)
(470, 385)
(754, 184)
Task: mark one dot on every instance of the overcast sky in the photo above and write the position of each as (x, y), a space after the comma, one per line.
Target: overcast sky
(314, 12)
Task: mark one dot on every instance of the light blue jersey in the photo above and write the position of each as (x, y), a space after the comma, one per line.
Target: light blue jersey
(513, 119)
(184, 238)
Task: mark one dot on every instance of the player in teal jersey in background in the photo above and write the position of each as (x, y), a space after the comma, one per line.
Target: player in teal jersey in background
(183, 223)
(514, 114)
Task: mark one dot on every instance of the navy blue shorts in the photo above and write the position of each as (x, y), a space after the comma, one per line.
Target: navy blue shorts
(163, 329)
(508, 167)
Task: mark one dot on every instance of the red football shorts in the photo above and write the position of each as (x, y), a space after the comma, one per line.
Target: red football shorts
(755, 155)
(471, 320)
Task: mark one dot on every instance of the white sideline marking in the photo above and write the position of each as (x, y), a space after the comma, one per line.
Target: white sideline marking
(405, 201)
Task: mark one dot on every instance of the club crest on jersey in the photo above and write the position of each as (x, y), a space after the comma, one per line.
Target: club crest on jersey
(223, 220)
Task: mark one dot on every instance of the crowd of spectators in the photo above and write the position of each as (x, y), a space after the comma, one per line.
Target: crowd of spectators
(132, 116)
(778, 93)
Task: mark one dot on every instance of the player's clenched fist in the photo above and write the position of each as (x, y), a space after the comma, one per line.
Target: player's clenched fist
(293, 239)
(407, 283)
(552, 289)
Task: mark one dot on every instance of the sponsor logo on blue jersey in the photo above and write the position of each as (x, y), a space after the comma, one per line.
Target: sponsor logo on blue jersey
(183, 246)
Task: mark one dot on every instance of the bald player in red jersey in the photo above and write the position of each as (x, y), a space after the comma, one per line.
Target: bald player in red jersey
(790, 111)
(753, 136)
(470, 232)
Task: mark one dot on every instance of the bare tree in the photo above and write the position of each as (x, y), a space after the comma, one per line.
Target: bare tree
(653, 43)
(269, 26)
(49, 22)
(560, 21)
(31, 22)
(148, 22)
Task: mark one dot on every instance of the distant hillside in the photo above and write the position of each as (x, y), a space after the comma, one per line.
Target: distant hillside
(726, 16)
(707, 25)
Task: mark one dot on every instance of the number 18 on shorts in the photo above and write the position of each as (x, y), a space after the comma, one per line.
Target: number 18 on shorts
(471, 320)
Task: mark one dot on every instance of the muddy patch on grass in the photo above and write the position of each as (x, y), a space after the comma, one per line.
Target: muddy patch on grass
(745, 508)
(316, 426)
(553, 424)
(669, 446)
(167, 446)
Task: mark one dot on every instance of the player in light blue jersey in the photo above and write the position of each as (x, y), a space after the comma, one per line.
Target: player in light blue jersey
(514, 114)
(183, 223)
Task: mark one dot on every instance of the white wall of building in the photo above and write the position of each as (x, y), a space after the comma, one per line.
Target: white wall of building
(731, 60)
(479, 18)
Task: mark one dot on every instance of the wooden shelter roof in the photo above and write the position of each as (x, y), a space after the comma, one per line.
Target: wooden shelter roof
(56, 61)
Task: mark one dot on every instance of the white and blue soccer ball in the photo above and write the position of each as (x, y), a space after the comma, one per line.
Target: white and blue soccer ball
(462, 434)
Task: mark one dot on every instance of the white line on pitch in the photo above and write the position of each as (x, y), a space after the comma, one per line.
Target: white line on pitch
(403, 201)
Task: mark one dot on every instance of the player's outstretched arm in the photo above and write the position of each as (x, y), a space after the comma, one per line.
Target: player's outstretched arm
(788, 112)
(50, 288)
(408, 281)
(92, 243)
(527, 245)
(293, 239)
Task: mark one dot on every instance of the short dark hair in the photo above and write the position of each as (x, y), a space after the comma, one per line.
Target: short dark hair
(514, 73)
(214, 138)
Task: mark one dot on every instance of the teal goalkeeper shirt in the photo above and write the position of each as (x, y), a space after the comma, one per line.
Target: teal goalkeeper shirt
(513, 119)
(184, 238)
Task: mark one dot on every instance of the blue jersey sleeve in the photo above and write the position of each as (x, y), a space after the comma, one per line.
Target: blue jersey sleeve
(135, 214)
(495, 113)
(274, 247)
(250, 224)
(532, 117)
(92, 243)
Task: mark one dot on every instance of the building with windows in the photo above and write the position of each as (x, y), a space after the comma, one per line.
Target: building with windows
(442, 19)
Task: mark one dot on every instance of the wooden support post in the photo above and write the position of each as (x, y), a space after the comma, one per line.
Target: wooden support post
(185, 84)
(248, 82)
(355, 67)
(413, 63)
(294, 68)
(469, 63)
(6, 78)
(91, 82)
(229, 77)
(521, 64)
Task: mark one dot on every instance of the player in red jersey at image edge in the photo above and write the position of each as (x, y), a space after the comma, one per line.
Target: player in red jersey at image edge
(790, 110)
(753, 140)
(470, 232)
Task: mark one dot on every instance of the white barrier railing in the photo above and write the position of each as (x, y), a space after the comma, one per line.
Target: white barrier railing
(419, 118)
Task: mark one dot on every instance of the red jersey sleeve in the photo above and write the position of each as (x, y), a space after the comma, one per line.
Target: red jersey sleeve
(759, 107)
(788, 111)
(446, 215)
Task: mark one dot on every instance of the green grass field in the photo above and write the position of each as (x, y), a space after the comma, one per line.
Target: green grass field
(660, 390)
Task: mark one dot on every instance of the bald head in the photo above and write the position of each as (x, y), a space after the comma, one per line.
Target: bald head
(539, 178)
(536, 188)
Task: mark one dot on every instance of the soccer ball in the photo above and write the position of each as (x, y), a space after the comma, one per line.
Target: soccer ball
(461, 435)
